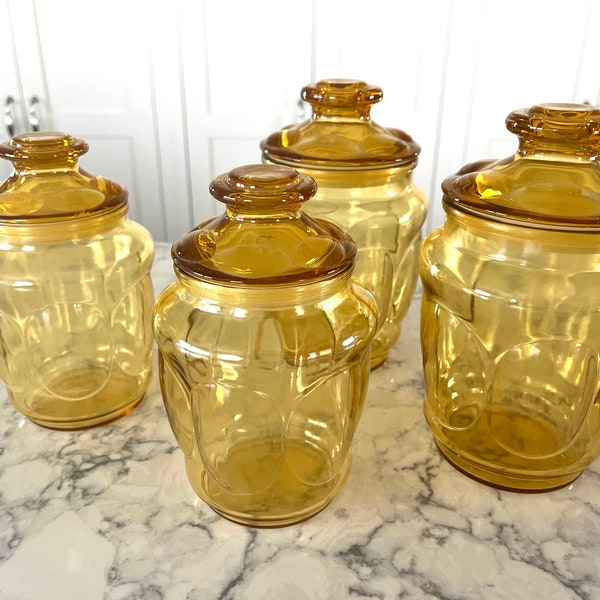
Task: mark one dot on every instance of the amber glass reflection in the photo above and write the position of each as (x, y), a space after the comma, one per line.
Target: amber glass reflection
(510, 323)
(365, 183)
(264, 346)
(75, 289)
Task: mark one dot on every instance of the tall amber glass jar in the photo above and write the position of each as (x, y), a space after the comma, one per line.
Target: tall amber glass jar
(511, 306)
(264, 346)
(75, 290)
(364, 175)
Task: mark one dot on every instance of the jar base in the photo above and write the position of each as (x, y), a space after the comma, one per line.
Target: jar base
(502, 480)
(378, 360)
(267, 524)
(87, 423)
(385, 339)
(285, 501)
(63, 415)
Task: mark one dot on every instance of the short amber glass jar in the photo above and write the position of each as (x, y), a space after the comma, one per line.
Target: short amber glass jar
(75, 290)
(510, 315)
(264, 346)
(365, 183)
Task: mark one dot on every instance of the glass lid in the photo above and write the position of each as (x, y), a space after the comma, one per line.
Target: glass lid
(264, 237)
(552, 181)
(47, 185)
(340, 133)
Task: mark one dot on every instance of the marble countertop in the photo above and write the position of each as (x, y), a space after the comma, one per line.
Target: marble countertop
(108, 514)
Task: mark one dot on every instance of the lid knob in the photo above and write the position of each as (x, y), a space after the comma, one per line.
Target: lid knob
(350, 97)
(255, 187)
(43, 149)
(545, 126)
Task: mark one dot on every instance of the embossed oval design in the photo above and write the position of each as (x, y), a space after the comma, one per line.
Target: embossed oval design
(375, 270)
(405, 278)
(176, 396)
(15, 362)
(239, 434)
(455, 368)
(131, 328)
(320, 428)
(541, 393)
(70, 348)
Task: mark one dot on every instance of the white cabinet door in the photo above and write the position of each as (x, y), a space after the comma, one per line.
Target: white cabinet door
(89, 65)
(400, 47)
(244, 64)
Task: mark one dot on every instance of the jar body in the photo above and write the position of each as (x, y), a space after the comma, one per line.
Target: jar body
(383, 211)
(510, 333)
(263, 389)
(76, 320)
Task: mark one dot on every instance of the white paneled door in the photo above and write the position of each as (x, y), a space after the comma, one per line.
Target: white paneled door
(84, 68)
(170, 94)
(244, 64)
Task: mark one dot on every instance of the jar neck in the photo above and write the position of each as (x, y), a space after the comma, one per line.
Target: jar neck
(341, 113)
(556, 150)
(32, 166)
(254, 214)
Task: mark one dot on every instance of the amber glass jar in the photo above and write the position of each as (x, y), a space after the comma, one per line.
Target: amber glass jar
(75, 290)
(264, 346)
(364, 176)
(510, 315)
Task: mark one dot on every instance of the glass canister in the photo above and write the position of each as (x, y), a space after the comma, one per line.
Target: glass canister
(364, 175)
(75, 290)
(511, 306)
(264, 345)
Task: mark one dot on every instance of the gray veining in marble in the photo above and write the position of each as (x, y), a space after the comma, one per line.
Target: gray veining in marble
(108, 514)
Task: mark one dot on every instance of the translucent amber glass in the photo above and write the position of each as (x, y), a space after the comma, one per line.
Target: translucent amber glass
(364, 176)
(510, 322)
(264, 346)
(75, 289)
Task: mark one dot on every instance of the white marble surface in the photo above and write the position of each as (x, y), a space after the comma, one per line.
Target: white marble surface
(108, 514)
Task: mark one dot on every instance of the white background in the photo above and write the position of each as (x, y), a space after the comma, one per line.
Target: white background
(169, 94)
